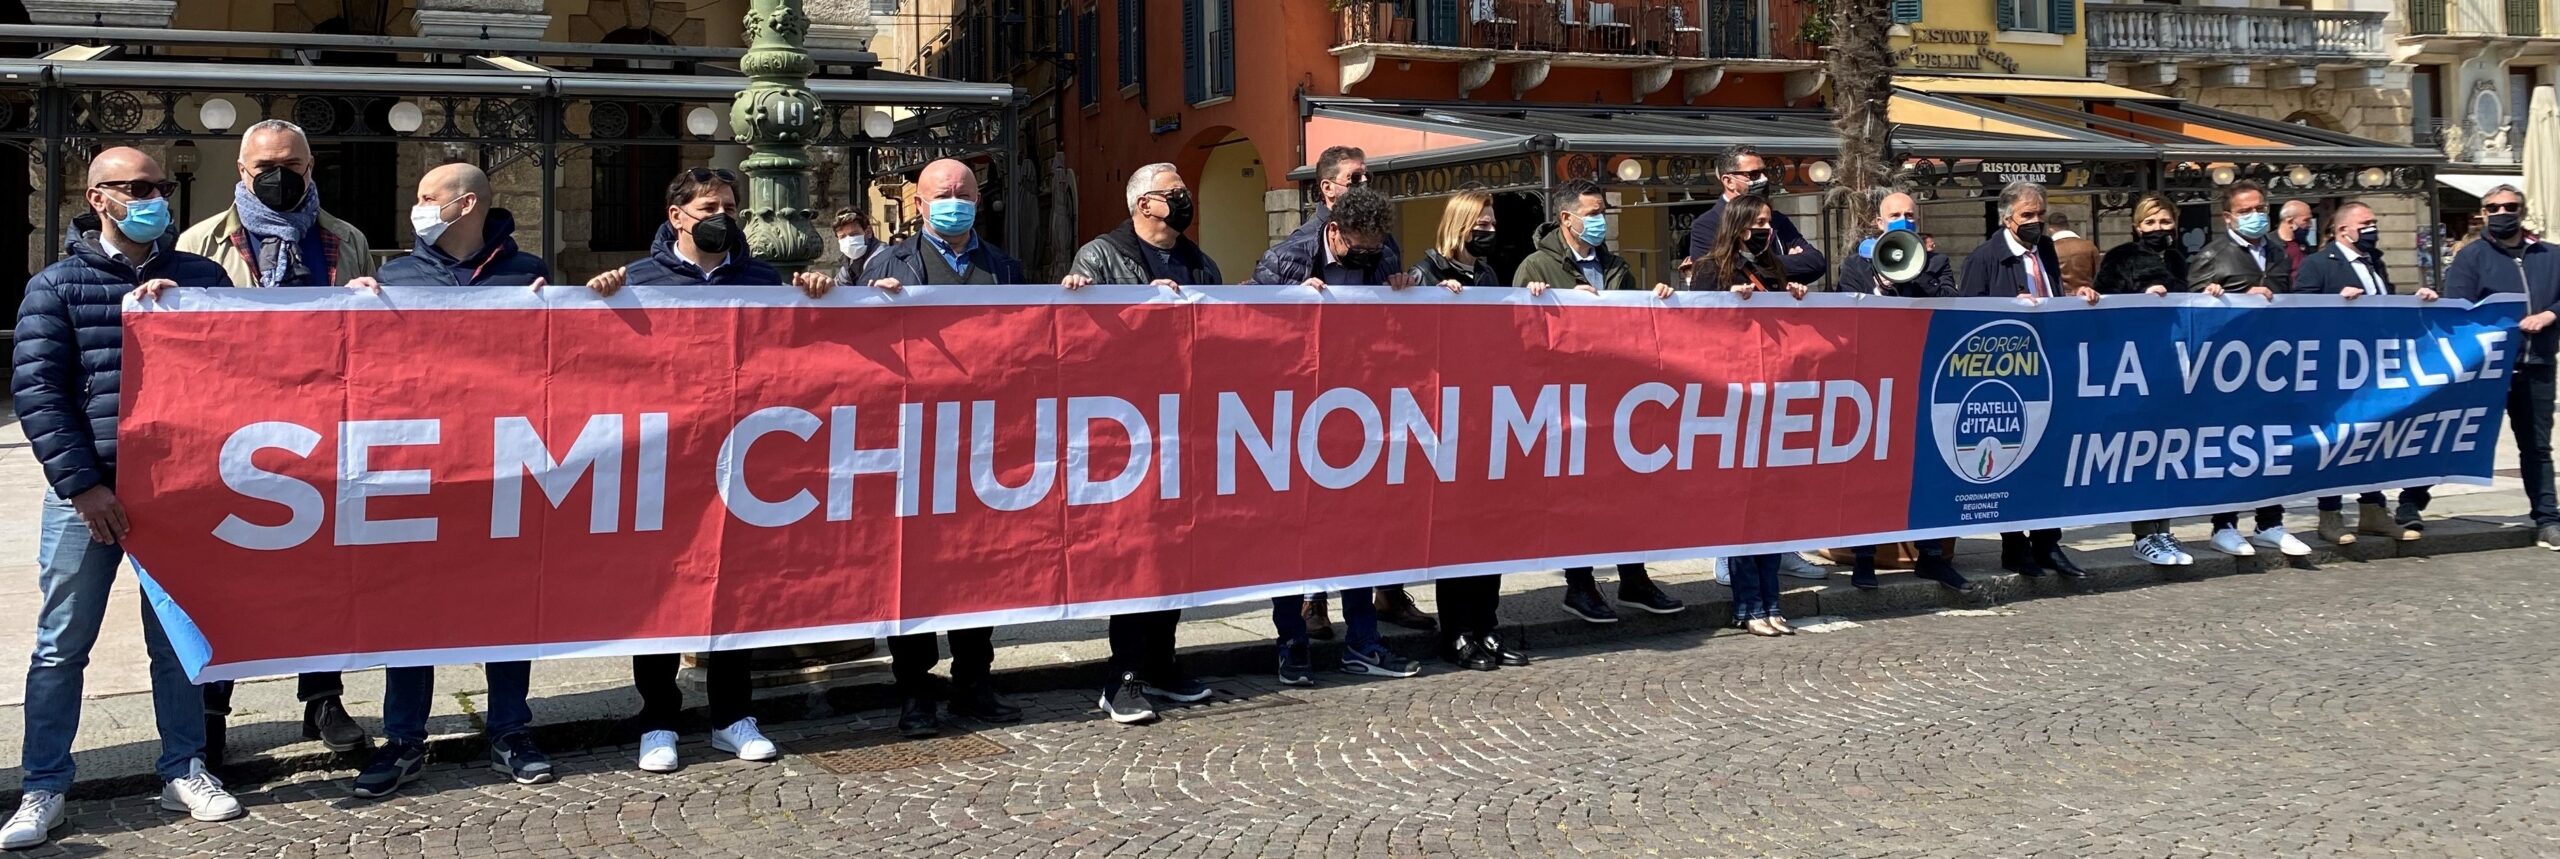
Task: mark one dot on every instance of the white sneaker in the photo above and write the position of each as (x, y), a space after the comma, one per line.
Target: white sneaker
(658, 752)
(200, 795)
(2170, 542)
(742, 739)
(2229, 541)
(39, 814)
(1723, 576)
(2150, 548)
(1793, 564)
(2278, 539)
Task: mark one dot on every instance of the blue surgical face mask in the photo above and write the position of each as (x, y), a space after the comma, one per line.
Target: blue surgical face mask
(144, 220)
(1595, 229)
(2253, 225)
(1907, 225)
(951, 217)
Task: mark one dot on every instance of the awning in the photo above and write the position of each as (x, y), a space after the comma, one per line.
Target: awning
(2478, 184)
(2029, 87)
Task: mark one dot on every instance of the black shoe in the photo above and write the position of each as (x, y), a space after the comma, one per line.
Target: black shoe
(1648, 596)
(1502, 655)
(1297, 667)
(917, 720)
(1862, 573)
(515, 756)
(326, 720)
(1126, 702)
(216, 740)
(393, 765)
(1177, 689)
(1938, 570)
(979, 701)
(1396, 607)
(2058, 561)
(2015, 558)
(1464, 652)
(1585, 603)
(2548, 537)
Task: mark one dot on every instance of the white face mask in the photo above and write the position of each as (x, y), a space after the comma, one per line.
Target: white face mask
(427, 220)
(852, 245)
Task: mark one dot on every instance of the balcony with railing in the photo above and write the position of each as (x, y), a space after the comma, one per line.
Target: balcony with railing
(2443, 32)
(1652, 37)
(2228, 45)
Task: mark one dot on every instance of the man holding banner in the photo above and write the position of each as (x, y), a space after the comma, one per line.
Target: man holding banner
(1899, 212)
(2512, 263)
(2351, 267)
(2238, 259)
(2020, 261)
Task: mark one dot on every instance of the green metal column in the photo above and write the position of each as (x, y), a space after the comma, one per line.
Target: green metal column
(776, 115)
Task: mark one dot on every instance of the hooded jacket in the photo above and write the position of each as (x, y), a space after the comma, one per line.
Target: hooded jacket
(665, 267)
(497, 264)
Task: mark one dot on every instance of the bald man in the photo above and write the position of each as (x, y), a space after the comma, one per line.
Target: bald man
(1858, 273)
(463, 239)
(2293, 225)
(948, 251)
(65, 383)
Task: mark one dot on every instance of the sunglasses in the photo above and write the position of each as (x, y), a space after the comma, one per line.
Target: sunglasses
(141, 189)
(705, 174)
(1169, 197)
(2495, 208)
(1354, 180)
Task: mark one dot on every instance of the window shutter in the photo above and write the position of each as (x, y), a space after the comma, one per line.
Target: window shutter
(2065, 16)
(1906, 11)
(1225, 84)
(1195, 88)
(1089, 57)
(2005, 14)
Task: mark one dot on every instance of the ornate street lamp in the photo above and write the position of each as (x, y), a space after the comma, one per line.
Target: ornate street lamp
(775, 116)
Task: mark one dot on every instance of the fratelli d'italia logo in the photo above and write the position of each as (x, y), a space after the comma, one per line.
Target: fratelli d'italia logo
(1991, 400)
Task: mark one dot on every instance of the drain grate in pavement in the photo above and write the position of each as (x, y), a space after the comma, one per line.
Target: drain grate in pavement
(1228, 706)
(854, 752)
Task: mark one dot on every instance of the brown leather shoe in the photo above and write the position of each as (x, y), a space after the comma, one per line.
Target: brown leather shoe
(1319, 626)
(1396, 607)
(2333, 527)
(2376, 520)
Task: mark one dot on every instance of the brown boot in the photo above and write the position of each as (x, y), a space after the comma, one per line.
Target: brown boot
(1319, 626)
(2333, 527)
(1396, 607)
(2375, 519)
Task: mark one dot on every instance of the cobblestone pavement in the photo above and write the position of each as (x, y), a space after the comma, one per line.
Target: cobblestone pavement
(2396, 707)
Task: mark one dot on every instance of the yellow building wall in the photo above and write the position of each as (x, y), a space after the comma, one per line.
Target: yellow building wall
(1954, 34)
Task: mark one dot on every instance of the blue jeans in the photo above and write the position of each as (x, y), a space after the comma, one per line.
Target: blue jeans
(1755, 586)
(1359, 620)
(407, 693)
(75, 578)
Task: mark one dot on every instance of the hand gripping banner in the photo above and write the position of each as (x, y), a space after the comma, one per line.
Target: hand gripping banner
(324, 479)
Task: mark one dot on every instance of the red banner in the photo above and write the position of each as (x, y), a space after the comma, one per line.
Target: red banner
(324, 479)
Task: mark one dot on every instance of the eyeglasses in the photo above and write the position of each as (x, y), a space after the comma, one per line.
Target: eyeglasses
(1169, 197)
(141, 189)
(2495, 208)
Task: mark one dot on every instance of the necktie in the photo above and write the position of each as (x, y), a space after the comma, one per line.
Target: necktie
(2372, 278)
(2035, 275)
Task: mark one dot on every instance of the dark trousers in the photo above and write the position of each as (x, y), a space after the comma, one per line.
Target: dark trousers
(2529, 403)
(2268, 517)
(1626, 573)
(1755, 586)
(1142, 644)
(1467, 603)
(913, 656)
(2037, 541)
(1930, 549)
(2413, 501)
(307, 688)
(661, 701)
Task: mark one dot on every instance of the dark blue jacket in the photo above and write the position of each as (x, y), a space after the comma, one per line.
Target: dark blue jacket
(2326, 269)
(905, 261)
(1301, 256)
(1991, 271)
(1804, 262)
(1937, 277)
(497, 264)
(2483, 269)
(1314, 228)
(70, 351)
(665, 267)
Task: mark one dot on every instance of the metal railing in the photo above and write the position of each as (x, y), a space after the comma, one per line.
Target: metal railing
(2214, 31)
(1668, 28)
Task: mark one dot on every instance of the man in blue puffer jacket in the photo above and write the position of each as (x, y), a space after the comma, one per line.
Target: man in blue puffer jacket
(69, 351)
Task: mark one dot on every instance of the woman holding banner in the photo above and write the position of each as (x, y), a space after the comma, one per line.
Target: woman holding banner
(1743, 259)
(1457, 261)
(2151, 264)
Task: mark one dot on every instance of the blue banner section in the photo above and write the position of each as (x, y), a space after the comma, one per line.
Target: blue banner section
(2196, 405)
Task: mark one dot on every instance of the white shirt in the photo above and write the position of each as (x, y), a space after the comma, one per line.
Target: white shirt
(2257, 250)
(2036, 273)
(2364, 272)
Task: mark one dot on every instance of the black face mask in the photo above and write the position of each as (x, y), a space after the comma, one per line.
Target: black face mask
(1759, 187)
(1756, 241)
(1177, 213)
(1480, 244)
(711, 235)
(2504, 225)
(2368, 239)
(279, 189)
(2031, 234)
(2155, 241)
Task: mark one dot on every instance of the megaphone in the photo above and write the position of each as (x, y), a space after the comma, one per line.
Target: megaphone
(1899, 256)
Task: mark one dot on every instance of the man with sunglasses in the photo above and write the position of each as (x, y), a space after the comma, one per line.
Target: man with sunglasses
(275, 234)
(2511, 260)
(1742, 171)
(1150, 248)
(948, 251)
(703, 244)
(2351, 267)
(65, 386)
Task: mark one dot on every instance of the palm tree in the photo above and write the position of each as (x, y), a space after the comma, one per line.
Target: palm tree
(1861, 67)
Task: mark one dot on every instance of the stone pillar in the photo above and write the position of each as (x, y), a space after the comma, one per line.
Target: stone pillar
(776, 115)
(482, 19)
(102, 13)
(840, 25)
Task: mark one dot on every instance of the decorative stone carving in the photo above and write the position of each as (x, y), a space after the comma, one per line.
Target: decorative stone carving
(107, 13)
(476, 19)
(840, 25)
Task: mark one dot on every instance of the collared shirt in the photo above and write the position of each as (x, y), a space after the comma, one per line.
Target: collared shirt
(1592, 273)
(1334, 273)
(958, 259)
(2033, 268)
(2257, 249)
(2363, 266)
